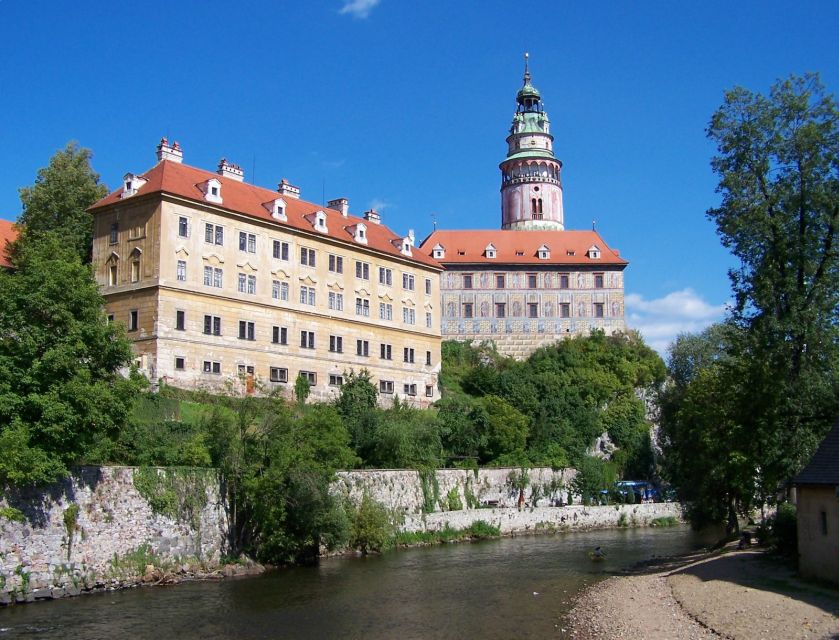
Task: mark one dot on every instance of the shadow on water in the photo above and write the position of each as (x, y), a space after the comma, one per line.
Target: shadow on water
(511, 588)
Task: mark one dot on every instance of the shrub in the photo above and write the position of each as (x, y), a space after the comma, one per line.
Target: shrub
(371, 527)
(783, 534)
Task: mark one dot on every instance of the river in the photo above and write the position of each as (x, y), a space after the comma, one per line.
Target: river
(510, 588)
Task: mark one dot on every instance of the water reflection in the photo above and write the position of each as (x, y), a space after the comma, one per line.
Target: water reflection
(511, 588)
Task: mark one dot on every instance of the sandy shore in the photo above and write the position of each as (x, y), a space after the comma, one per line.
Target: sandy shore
(730, 594)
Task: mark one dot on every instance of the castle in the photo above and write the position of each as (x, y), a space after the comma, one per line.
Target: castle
(220, 283)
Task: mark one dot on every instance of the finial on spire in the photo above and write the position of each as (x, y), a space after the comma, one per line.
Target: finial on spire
(526, 69)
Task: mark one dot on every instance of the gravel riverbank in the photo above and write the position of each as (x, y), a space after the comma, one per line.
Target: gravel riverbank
(735, 594)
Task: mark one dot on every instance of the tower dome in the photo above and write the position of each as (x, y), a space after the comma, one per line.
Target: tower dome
(531, 189)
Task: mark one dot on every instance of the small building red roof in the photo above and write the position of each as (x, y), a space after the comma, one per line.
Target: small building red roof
(521, 247)
(8, 234)
(240, 197)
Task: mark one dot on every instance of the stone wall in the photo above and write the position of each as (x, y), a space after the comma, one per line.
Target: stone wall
(407, 491)
(96, 529)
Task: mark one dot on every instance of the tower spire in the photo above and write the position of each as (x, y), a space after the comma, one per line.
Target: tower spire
(526, 69)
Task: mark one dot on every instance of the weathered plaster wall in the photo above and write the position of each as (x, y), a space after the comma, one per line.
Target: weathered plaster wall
(818, 535)
(39, 560)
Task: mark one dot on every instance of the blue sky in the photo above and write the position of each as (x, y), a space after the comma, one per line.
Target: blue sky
(405, 106)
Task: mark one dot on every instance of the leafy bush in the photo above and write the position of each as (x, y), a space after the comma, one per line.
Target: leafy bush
(783, 530)
(371, 527)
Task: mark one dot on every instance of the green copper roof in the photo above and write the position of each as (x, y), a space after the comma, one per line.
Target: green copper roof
(532, 153)
(528, 91)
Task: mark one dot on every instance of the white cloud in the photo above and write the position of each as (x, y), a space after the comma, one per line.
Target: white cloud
(358, 8)
(662, 319)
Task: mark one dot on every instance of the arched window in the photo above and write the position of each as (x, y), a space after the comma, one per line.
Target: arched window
(539, 203)
(533, 206)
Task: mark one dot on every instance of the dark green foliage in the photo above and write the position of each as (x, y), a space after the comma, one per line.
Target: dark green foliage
(57, 203)
(302, 388)
(594, 476)
(405, 438)
(371, 526)
(783, 530)
(358, 409)
(60, 389)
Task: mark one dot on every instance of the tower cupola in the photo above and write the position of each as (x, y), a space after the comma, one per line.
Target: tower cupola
(531, 189)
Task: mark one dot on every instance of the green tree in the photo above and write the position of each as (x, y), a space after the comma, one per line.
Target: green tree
(504, 429)
(60, 384)
(302, 388)
(58, 201)
(778, 166)
(357, 404)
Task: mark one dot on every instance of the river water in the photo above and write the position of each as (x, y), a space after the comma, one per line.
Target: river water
(510, 588)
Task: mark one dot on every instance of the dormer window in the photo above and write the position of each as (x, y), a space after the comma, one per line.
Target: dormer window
(570, 252)
(489, 251)
(212, 190)
(361, 233)
(544, 252)
(593, 252)
(276, 208)
(406, 246)
(131, 184)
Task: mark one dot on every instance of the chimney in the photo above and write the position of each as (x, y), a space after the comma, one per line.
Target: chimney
(230, 170)
(411, 237)
(172, 152)
(373, 216)
(287, 189)
(340, 204)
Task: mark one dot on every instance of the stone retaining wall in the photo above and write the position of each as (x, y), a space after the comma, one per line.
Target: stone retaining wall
(113, 529)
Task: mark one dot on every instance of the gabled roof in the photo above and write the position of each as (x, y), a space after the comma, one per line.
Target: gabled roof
(247, 199)
(824, 466)
(8, 234)
(521, 247)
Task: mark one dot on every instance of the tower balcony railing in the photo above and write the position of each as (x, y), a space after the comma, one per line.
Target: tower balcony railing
(525, 179)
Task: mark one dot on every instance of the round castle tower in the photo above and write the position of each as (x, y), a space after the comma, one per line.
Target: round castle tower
(531, 188)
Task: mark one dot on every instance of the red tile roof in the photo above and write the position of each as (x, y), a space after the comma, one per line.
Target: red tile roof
(521, 247)
(182, 180)
(8, 233)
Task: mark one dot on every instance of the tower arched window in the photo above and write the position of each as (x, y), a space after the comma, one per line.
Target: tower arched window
(533, 205)
(539, 203)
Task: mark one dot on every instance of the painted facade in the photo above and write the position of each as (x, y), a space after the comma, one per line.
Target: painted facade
(222, 284)
(531, 282)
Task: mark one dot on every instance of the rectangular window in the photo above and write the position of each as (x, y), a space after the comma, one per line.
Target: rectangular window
(336, 301)
(307, 339)
(213, 277)
(410, 389)
(385, 311)
(467, 309)
(823, 522)
(112, 275)
(135, 271)
(245, 370)
(564, 309)
(563, 280)
(532, 309)
(428, 358)
(531, 280)
(181, 271)
(467, 280)
(362, 348)
(500, 310)
(409, 316)
(336, 264)
(183, 227)
(275, 289)
(408, 355)
(408, 281)
(385, 276)
(307, 295)
(281, 250)
(362, 307)
(362, 270)
(598, 309)
(247, 330)
(335, 380)
(598, 280)
(212, 325)
(110, 318)
(114, 233)
(252, 285)
(212, 367)
(310, 376)
(428, 319)
(385, 386)
(180, 363)
(428, 286)
(307, 257)
(500, 281)
(336, 344)
(385, 351)
(279, 335)
(133, 320)
(247, 242)
(213, 234)
(429, 391)
(278, 374)
(180, 320)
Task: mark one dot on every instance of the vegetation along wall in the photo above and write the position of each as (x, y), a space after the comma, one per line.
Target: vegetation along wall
(104, 526)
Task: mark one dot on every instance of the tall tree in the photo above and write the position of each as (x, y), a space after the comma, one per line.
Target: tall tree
(60, 386)
(778, 165)
(59, 199)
